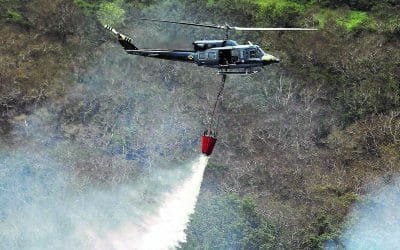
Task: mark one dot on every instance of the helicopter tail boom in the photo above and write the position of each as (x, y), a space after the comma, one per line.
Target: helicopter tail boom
(124, 40)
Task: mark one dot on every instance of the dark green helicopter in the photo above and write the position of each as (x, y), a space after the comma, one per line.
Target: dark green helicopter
(226, 55)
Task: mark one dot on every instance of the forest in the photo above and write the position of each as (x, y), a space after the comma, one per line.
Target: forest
(300, 143)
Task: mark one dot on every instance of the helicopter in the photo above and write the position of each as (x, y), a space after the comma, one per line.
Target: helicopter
(227, 56)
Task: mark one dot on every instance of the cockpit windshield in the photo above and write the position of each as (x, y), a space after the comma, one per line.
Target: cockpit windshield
(260, 52)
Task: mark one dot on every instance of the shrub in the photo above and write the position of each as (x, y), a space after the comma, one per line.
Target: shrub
(279, 12)
(355, 19)
(14, 16)
(228, 222)
(111, 13)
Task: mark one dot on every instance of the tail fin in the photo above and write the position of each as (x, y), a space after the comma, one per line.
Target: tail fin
(125, 41)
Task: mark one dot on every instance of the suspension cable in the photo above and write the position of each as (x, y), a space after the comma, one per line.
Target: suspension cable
(217, 100)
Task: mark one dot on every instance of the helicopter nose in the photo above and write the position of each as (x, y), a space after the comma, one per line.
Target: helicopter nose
(268, 59)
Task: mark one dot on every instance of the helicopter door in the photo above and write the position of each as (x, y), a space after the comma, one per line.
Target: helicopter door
(225, 56)
(235, 55)
(212, 56)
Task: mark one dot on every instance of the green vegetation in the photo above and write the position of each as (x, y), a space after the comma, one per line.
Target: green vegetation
(326, 232)
(15, 16)
(279, 12)
(354, 19)
(107, 12)
(229, 222)
(111, 13)
(88, 7)
(349, 20)
(281, 6)
(348, 15)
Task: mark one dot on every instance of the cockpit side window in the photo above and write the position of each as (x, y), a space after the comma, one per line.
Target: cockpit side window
(253, 53)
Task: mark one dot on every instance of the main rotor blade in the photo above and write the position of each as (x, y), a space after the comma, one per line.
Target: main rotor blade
(184, 23)
(227, 27)
(273, 29)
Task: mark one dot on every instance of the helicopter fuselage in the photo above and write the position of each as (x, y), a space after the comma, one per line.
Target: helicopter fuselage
(225, 55)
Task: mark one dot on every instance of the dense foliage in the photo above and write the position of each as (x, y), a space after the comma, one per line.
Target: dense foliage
(228, 222)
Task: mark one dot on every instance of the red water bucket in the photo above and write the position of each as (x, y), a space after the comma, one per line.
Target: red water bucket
(207, 144)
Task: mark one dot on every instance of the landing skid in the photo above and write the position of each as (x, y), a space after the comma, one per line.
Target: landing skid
(247, 71)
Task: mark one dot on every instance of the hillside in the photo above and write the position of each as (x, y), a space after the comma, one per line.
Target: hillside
(299, 143)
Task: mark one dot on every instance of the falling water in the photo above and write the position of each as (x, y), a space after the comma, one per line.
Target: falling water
(40, 208)
(165, 229)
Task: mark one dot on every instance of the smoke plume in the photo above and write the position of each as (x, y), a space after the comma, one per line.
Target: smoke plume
(43, 207)
(164, 229)
(374, 222)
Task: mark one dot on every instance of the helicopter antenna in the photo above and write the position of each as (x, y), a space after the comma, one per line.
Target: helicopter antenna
(226, 32)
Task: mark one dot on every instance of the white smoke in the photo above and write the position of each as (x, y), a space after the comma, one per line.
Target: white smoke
(165, 229)
(43, 207)
(375, 221)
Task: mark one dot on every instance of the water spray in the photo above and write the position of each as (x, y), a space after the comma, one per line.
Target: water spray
(166, 228)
